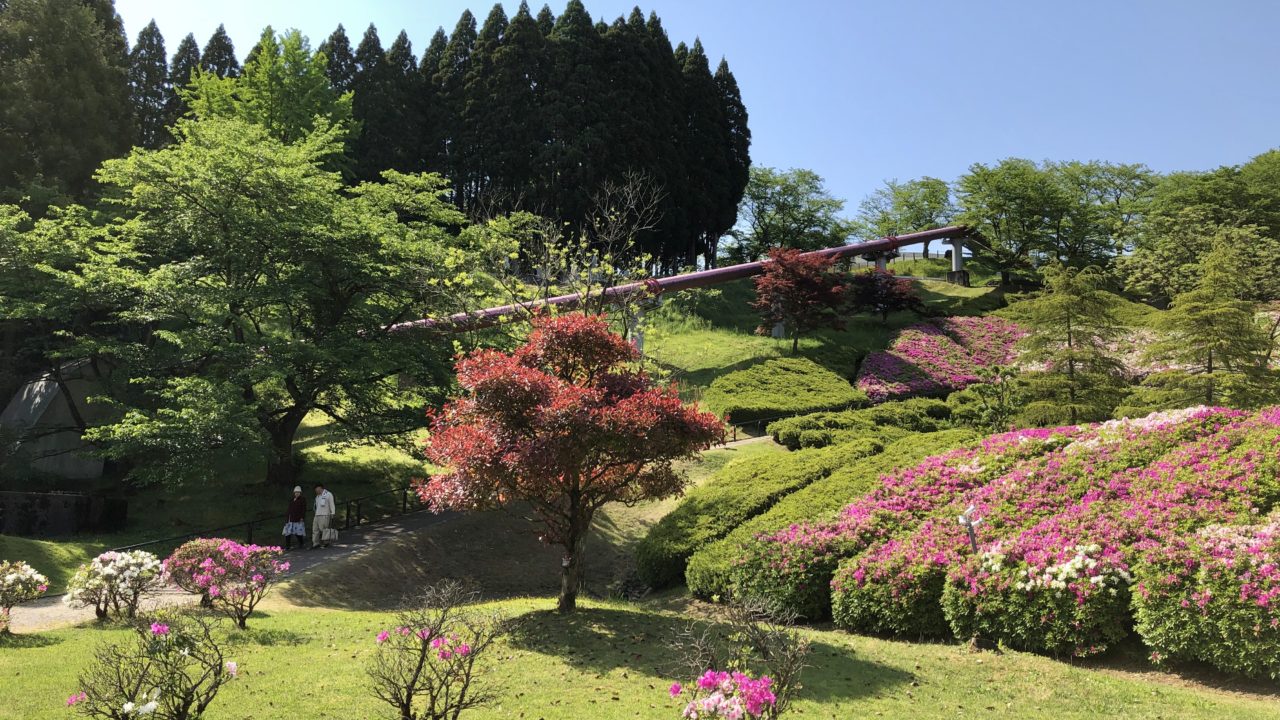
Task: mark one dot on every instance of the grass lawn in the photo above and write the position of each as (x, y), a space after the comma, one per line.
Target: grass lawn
(608, 662)
(55, 559)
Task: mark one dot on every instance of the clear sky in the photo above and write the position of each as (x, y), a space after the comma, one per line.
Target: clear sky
(865, 91)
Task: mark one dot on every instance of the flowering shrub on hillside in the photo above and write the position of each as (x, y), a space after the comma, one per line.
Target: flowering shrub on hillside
(937, 357)
(19, 583)
(1062, 516)
(114, 583)
(1215, 597)
(235, 577)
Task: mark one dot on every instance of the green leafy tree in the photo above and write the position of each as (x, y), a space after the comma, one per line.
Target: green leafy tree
(219, 55)
(270, 290)
(1073, 326)
(789, 208)
(1013, 206)
(285, 89)
(149, 87)
(904, 207)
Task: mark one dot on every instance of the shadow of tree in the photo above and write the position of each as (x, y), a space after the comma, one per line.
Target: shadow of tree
(1131, 657)
(27, 640)
(599, 640)
(267, 637)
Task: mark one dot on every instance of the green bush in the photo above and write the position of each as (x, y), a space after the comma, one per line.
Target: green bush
(710, 570)
(785, 386)
(737, 493)
(891, 421)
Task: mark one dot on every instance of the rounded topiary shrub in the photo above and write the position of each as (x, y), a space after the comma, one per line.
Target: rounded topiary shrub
(183, 564)
(894, 588)
(1072, 602)
(1214, 597)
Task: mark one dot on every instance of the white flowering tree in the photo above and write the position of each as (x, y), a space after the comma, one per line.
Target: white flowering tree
(114, 583)
(19, 583)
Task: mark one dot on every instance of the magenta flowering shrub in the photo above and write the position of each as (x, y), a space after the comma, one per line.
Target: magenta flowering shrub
(185, 561)
(234, 576)
(937, 357)
(1063, 516)
(1214, 597)
(721, 695)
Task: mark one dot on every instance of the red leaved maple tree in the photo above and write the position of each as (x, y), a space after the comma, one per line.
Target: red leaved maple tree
(802, 291)
(565, 423)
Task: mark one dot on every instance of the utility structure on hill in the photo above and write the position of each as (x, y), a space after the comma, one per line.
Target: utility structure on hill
(878, 251)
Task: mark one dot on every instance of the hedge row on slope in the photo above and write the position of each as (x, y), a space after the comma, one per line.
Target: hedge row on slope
(891, 421)
(785, 386)
(708, 573)
(737, 493)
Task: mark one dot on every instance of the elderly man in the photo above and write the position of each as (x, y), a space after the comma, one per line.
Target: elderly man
(322, 534)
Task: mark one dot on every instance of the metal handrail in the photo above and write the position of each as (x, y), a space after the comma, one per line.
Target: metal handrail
(358, 504)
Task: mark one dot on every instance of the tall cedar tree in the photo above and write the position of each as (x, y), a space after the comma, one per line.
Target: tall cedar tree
(219, 55)
(433, 134)
(150, 91)
(483, 111)
(405, 107)
(565, 424)
(186, 61)
(878, 292)
(370, 106)
(801, 291)
(738, 156)
(1073, 325)
(450, 83)
(341, 66)
(64, 96)
(1213, 335)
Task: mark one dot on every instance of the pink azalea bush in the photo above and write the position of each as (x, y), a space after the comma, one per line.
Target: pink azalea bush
(234, 576)
(723, 695)
(937, 357)
(1066, 518)
(19, 583)
(1215, 597)
(185, 561)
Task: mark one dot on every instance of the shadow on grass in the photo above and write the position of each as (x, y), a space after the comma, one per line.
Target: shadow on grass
(1132, 658)
(599, 640)
(26, 640)
(267, 638)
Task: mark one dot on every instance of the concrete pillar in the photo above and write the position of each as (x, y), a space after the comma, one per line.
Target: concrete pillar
(637, 330)
(882, 262)
(958, 275)
(779, 331)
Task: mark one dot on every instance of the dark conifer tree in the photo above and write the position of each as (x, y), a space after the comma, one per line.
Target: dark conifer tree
(186, 60)
(546, 21)
(220, 55)
(738, 153)
(149, 88)
(372, 85)
(450, 80)
(434, 121)
(342, 63)
(64, 97)
(573, 102)
(705, 152)
(484, 107)
(405, 104)
(515, 130)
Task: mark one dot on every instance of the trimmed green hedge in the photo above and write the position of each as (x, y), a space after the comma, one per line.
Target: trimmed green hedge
(737, 493)
(888, 421)
(709, 571)
(786, 386)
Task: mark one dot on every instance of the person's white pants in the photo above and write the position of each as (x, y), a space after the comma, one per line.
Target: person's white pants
(321, 532)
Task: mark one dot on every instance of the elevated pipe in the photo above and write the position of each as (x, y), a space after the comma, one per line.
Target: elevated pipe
(703, 278)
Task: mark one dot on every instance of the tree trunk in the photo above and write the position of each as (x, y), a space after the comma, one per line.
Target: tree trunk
(795, 344)
(1005, 279)
(1208, 387)
(925, 254)
(282, 464)
(570, 577)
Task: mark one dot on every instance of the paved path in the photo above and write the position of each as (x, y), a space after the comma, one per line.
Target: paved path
(50, 612)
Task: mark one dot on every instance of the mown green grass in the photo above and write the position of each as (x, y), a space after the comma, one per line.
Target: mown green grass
(608, 662)
(55, 559)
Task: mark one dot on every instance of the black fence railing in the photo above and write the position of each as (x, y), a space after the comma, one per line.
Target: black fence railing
(266, 529)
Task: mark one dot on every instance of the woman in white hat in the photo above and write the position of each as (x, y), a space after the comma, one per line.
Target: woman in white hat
(295, 525)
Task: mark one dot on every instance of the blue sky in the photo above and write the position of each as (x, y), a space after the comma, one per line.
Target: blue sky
(865, 91)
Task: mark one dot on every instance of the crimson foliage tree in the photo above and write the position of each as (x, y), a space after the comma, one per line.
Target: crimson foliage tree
(565, 424)
(801, 291)
(879, 292)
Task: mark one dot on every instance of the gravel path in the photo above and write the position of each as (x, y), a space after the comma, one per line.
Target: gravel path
(50, 612)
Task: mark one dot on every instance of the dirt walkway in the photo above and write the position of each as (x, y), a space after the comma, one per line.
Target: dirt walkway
(50, 612)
